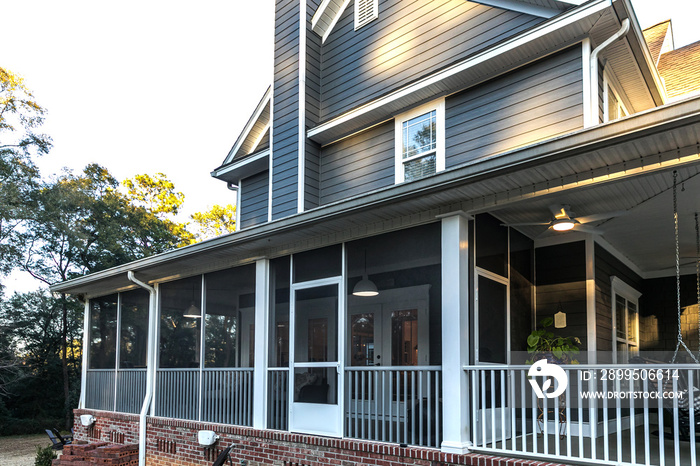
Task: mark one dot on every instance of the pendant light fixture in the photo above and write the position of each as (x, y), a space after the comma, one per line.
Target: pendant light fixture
(193, 311)
(365, 287)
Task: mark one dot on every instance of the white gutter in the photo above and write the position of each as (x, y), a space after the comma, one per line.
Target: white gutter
(593, 102)
(150, 364)
(86, 350)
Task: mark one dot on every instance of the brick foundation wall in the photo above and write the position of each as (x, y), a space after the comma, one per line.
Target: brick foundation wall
(174, 442)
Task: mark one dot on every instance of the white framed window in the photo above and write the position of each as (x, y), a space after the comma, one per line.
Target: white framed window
(625, 320)
(366, 11)
(613, 105)
(420, 142)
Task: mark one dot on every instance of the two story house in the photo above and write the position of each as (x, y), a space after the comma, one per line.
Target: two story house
(421, 187)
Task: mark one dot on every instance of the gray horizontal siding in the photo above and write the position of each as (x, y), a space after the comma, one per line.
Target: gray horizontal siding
(254, 199)
(533, 103)
(407, 41)
(358, 164)
(285, 110)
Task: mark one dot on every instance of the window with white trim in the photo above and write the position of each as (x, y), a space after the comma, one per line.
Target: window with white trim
(625, 316)
(420, 142)
(366, 11)
(613, 105)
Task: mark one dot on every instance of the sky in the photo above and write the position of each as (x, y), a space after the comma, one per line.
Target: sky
(164, 86)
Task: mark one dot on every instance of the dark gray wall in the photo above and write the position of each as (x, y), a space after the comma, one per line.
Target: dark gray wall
(560, 278)
(532, 103)
(285, 109)
(358, 164)
(254, 199)
(313, 99)
(409, 39)
(606, 266)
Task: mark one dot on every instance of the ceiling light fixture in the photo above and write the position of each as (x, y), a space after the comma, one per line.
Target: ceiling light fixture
(365, 287)
(564, 224)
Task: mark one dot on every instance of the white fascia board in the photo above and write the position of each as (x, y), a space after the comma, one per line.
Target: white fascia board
(249, 126)
(334, 21)
(548, 27)
(242, 164)
(323, 13)
(521, 7)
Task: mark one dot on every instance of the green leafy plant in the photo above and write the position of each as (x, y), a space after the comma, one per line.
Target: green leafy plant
(44, 456)
(542, 343)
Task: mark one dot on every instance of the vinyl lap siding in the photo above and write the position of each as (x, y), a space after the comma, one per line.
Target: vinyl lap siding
(606, 266)
(254, 200)
(285, 110)
(533, 103)
(560, 280)
(358, 164)
(313, 98)
(409, 40)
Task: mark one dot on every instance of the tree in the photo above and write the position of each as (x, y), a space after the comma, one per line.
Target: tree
(215, 222)
(32, 325)
(20, 116)
(83, 224)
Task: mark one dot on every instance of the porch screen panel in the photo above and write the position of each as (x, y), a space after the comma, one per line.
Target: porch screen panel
(278, 347)
(180, 335)
(133, 342)
(492, 321)
(318, 263)
(491, 245)
(103, 332)
(230, 317)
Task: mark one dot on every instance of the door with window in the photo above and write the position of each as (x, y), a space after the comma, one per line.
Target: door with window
(625, 315)
(315, 398)
(492, 347)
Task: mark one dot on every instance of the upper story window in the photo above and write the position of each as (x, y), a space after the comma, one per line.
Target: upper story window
(613, 105)
(420, 142)
(366, 11)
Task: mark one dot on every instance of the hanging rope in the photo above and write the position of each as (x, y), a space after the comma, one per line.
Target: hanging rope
(678, 272)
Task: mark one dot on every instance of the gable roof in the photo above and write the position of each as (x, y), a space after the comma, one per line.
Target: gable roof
(680, 69)
(255, 132)
(659, 37)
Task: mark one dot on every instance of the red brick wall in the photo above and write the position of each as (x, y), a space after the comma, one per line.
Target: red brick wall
(174, 442)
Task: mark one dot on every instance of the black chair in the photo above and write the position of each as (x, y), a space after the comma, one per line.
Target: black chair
(68, 439)
(58, 442)
(225, 455)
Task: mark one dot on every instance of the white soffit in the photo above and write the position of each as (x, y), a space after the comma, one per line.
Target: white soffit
(253, 131)
(543, 9)
(327, 16)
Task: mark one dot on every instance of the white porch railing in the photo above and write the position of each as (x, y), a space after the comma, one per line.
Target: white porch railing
(394, 404)
(226, 395)
(632, 428)
(119, 390)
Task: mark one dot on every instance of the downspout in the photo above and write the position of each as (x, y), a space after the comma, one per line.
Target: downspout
(593, 104)
(86, 350)
(150, 364)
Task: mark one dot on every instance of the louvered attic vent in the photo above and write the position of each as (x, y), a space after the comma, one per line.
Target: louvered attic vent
(365, 12)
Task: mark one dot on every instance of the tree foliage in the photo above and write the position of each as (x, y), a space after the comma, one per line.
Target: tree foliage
(218, 221)
(20, 117)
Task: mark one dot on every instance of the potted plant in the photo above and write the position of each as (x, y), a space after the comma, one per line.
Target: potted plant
(543, 344)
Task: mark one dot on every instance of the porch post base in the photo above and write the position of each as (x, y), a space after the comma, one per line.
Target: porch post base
(455, 448)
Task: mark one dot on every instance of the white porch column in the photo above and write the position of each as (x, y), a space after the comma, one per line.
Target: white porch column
(455, 332)
(262, 310)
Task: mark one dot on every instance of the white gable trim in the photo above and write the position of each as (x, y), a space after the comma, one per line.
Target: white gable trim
(249, 126)
(521, 7)
(323, 21)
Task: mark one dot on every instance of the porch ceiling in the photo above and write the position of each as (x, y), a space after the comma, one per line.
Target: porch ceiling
(625, 164)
